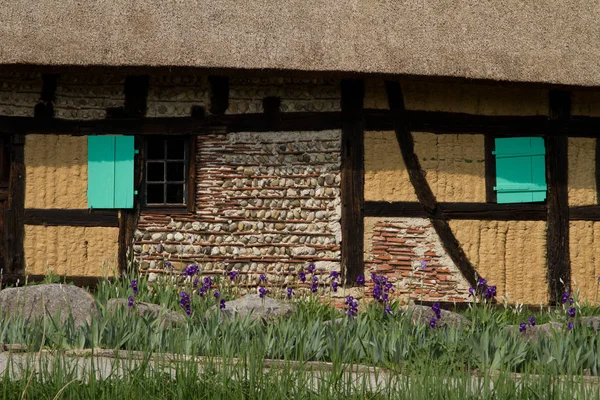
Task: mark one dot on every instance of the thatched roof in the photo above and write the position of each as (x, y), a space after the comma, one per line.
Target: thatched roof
(552, 41)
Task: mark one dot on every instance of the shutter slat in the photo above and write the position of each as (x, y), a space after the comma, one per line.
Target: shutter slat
(124, 165)
(101, 171)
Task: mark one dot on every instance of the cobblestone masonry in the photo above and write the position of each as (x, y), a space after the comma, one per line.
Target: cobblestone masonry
(19, 93)
(87, 96)
(175, 95)
(397, 246)
(246, 94)
(265, 202)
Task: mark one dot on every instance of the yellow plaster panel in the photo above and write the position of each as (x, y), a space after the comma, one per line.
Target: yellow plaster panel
(55, 171)
(585, 103)
(454, 165)
(483, 99)
(375, 95)
(69, 250)
(584, 246)
(386, 177)
(509, 254)
(582, 171)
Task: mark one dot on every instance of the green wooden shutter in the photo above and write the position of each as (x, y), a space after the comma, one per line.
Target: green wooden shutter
(520, 170)
(110, 171)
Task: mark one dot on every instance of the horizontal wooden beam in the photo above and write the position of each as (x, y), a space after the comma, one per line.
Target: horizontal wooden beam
(477, 211)
(70, 217)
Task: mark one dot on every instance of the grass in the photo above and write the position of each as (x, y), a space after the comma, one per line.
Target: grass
(421, 362)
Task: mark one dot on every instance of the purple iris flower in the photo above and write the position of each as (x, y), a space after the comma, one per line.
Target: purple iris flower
(481, 283)
(532, 320)
(432, 322)
(360, 280)
(471, 292)
(565, 297)
(134, 286)
(262, 278)
(302, 276)
(190, 270)
(262, 292)
(222, 304)
(490, 292)
(195, 283)
(184, 302)
(315, 284)
(352, 306)
(571, 312)
(423, 264)
(334, 274)
(387, 310)
(290, 293)
(311, 268)
(131, 301)
(232, 275)
(570, 325)
(523, 327)
(208, 282)
(437, 310)
(334, 286)
(217, 295)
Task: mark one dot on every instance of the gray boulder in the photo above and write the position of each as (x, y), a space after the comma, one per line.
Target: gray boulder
(591, 322)
(256, 307)
(163, 314)
(536, 332)
(33, 302)
(421, 315)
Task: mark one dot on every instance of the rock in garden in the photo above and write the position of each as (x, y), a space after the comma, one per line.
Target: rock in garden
(422, 315)
(537, 331)
(34, 301)
(256, 307)
(166, 316)
(591, 322)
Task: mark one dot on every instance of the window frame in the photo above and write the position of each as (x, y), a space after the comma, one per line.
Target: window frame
(189, 173)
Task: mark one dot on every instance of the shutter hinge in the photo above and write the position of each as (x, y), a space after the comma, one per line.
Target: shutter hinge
(135, 192)
(136, 151)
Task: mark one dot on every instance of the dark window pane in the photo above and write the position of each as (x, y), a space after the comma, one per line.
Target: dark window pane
(175, 149)
(175, 171)
(156, 149)
(155, 193)
(175, 194)
(156, 171)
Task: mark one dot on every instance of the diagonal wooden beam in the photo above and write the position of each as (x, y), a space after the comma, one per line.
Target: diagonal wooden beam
(419, 181)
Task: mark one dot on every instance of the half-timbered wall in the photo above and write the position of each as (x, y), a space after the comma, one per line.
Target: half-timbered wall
(268, 191)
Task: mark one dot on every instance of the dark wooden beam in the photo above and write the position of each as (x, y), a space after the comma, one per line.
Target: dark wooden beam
(136, 99)
(475, 211)
(584, 213)
(490, 169)
(14, 230)
(352, 185)
(597, 170)
(559, 267)
(70, 217)
(419, 181)
(219, 94)
(45, 108)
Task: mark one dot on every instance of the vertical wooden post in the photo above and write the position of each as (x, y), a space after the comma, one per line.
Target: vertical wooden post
(14, 263)
(352, 184)
(136, 97)
(559, 267)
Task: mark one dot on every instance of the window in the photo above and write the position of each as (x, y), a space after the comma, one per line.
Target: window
(166, 180)
(110, 171)
(520, 170)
